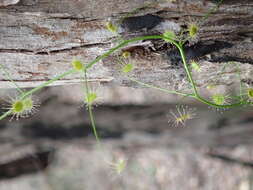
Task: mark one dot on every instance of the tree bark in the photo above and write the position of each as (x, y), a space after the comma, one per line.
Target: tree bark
(39, 38)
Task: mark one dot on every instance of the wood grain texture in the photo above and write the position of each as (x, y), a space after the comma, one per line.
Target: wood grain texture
(39, 38)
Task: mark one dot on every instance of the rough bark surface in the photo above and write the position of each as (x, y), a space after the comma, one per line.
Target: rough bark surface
(38, 40)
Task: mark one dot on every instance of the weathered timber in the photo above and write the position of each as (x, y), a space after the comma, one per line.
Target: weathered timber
(39, 38)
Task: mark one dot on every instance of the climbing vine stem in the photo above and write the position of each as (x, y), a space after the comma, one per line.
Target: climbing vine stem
(180, 47)
(89, 107)
(189, 75)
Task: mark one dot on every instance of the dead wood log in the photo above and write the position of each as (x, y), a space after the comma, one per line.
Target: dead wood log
(39, 38)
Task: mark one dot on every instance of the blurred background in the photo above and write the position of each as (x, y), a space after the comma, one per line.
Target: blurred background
(55, 149)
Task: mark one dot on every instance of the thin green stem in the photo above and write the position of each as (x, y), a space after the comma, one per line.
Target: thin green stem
(92, 120)
(5, 114)
(30, 92)
(122, 44)
(89, 104)
(10, 79)
(47, 83)
(180, 48)
(179, 45)
(197, 96)
(161, 89)
(239, 78)
(211, 11)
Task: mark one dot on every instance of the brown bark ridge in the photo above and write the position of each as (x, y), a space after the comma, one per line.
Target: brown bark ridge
(39, 38)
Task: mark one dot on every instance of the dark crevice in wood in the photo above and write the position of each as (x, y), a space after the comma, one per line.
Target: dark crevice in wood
(230, 59)
(16, 51)
(39, 130)
(31, 80)
(149, 21)
(69, 49)
(230, 160)
(70, 17)
(197, 51)
(220, 124)
(248, 81)
(26, 165)
(48, 52)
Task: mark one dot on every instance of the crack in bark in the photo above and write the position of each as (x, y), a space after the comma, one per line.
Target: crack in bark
(29, 164)
(65, 80)
(70, 48)
(69, 17)
(230, 160)
(230, 59)
(48, 52)
(197, 51)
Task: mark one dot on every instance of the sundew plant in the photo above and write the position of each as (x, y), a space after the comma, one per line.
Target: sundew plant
(23, 104)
